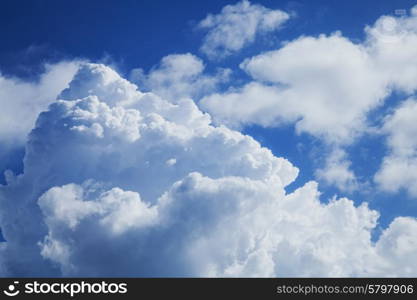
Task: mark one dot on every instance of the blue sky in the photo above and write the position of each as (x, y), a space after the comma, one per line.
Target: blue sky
(139, 33)
(133, 36)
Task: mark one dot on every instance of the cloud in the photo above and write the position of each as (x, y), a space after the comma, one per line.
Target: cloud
(325, 85)
(96, 177)
(337, 172)
(399, 167)
(22, 101)
(397, 246)
(392, 44)
(180, 76)
(189, 230)
(237, 26)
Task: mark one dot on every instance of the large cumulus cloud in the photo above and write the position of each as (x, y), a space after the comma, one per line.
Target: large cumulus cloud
(118, 182)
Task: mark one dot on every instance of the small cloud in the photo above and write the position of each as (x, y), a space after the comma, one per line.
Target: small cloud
(237, 26)
(337, 172)
(171, 161)
(180, 76)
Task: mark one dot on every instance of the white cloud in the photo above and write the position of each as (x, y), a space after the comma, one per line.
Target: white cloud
(196, 218)
(101, 81)
(399, 167)
(21, 101)
(96, 177)
(237, 26)
(397, 247)
(392, 43)
(179, 76)
(337, 171)
(252, 104)
(325, 85)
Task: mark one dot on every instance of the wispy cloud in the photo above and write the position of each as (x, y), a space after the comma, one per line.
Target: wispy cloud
(237, 26)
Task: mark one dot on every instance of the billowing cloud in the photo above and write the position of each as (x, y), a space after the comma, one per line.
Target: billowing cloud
(179, 76)
(237, 26)
(162, 192)
(399, 167)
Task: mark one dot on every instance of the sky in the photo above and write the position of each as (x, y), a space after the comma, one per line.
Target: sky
(160, 129)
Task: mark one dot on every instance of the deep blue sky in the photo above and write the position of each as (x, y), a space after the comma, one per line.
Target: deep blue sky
(138, 33)
(135, 34)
